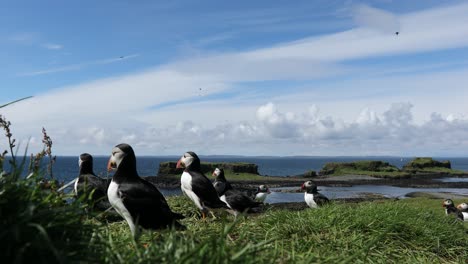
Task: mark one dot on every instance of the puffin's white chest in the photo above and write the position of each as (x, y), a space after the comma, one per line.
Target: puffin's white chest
(75, 187)
(223, 198)
(309, 199)
(465, 216)
(260, 197)
(186, 182)
(186, 186)
(116, 201)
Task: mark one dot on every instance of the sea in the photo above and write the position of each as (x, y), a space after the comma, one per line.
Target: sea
(66, 167)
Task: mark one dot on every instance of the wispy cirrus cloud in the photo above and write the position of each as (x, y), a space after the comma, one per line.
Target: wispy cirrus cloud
(52, 46)
(78, 66)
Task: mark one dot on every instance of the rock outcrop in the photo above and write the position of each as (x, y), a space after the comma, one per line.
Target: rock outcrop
(168, 168)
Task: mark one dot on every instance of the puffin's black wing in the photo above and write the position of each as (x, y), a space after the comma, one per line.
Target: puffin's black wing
(240, 201)
(320, 199)
(205, 190)
(147, 205)
(220, 187)
(88, 183)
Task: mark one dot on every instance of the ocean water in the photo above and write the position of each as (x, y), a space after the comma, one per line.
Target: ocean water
(66, 168)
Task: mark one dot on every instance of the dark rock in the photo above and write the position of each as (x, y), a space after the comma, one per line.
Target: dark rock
(167, 168)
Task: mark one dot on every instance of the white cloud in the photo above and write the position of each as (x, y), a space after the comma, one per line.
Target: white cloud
(376, 19)
(52, 46)
(78, 66)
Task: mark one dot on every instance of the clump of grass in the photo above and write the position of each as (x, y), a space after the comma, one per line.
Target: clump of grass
(36, 224)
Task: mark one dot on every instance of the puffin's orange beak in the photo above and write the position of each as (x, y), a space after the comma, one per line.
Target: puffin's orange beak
(110, 165)
(179, 164)
(302, 187)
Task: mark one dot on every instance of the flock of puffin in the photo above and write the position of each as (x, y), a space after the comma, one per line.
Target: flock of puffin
(142, 205)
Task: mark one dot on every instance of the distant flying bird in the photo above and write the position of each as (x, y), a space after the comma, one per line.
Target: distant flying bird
(121, 57)
(396, 33)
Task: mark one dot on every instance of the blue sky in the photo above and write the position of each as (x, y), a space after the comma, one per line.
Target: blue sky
(238, 77)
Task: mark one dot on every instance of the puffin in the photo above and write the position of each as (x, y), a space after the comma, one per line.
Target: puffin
(90, 185)
(262, 193)
(463, 207)
(451, 209)
(311, 196)
(196, 186)
(238, 202)
(138, 201)
(223, 184)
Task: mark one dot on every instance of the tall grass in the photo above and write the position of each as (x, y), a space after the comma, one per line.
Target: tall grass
(36, 224)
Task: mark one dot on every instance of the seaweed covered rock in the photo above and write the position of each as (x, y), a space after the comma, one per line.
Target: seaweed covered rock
(167, 168)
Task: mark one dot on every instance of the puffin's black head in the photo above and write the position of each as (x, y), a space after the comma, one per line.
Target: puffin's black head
(448, 203)
(309, 186)
(219, 174)
(189, 160)
(85, 163)
(122, 156)
(263, 189)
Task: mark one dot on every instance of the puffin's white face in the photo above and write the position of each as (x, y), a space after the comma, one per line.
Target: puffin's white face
(216, 172)
(447, 203)
(463, 206)
(79, 162)
(263, 188)
(307, 184)
(116, 158)
(185, 161)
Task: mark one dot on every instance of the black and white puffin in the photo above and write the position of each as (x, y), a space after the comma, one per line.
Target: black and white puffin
(451, 209)
(237, 201)
(463, 207)
(139, 202)
(197, 186)
(262, 193)
(220, 183)
(90, 185)
(311, 196)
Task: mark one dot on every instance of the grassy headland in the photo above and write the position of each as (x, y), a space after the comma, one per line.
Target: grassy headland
(382, 169)
(406, 231)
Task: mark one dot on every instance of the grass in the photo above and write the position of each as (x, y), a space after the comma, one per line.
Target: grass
(407, 231)
(381, 169)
